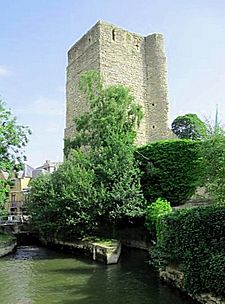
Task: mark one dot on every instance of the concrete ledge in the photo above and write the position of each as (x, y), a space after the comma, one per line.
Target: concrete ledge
(108, 254)
(174, 277)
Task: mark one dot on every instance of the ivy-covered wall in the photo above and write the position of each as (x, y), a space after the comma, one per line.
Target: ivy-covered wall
(171, 169)
(194, 239)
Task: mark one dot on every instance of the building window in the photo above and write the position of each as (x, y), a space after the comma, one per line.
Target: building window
(13, 198)
(113, 35)
(13, 183)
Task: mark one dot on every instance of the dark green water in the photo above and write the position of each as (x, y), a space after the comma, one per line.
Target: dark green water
(42, 276)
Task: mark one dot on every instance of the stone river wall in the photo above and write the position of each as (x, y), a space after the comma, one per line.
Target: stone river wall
(174, 277)
(7, 247)
(96, 251)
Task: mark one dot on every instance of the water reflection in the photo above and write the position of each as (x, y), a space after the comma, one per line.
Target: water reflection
(39, 275)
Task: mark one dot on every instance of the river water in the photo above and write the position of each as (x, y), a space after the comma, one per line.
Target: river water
(41, 276)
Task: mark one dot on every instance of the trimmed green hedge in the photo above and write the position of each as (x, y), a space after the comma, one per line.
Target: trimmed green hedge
(172, 169)
(195, 239)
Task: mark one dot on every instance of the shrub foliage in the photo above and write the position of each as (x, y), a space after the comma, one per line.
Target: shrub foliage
(171, 169)
(214, 160)
(153, 213)
(196, 239)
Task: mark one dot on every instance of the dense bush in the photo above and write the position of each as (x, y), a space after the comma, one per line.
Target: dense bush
(64, 203)
(171, 169)
(195, 238)
(153, 212)
(214, 158)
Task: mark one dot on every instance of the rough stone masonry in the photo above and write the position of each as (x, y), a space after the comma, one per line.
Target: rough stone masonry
(122, 58)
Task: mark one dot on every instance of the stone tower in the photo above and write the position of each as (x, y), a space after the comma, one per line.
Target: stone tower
(122, 58)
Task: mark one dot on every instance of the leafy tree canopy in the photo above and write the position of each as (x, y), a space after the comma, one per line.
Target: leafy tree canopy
(189, 126)
(13, 139)
(113, 114)
(99, 183)
(214, 163)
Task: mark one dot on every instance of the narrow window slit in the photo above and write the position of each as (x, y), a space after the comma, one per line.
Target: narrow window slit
(113, 35)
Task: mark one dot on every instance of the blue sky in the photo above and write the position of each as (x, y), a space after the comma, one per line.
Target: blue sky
(36, 34)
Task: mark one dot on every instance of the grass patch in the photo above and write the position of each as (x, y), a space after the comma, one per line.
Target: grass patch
(5, 237)
(101, 241)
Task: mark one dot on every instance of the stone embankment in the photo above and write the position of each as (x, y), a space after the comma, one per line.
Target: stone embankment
(174, 277)
(7, 246)
(106, 252)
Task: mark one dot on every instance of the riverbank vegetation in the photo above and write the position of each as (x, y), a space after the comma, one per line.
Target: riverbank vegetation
(5, 238)
(171, 169)
(99, 183)
(194, 241)
(106, 180)
(214, 163)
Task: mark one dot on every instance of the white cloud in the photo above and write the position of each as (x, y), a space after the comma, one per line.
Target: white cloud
(4, 71)
(44, 106)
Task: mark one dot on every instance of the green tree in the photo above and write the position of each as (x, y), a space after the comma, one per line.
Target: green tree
(13, 139)
(99, 183)
(63, 203)
(189, 126)
(214, 158)
(113, 113)
(108, 131)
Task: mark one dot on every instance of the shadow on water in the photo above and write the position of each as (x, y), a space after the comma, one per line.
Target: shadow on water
(131, 281)
(46, 276)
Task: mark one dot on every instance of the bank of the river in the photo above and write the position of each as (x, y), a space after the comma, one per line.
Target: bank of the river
(105, 248)
(174, 277)
(102, 250)
(191, 245)
(7, 244)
